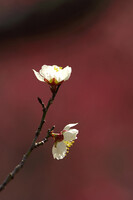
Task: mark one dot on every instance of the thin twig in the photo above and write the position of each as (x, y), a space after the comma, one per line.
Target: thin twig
(34, 144)
(37, 144)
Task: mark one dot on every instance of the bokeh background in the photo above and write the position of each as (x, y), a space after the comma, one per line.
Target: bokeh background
(95, 38)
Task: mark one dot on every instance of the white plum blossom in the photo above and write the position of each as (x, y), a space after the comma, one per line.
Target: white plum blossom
(53, 75)
(63, 141)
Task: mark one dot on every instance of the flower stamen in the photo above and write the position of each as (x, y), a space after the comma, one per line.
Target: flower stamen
(68, 143)
(57, 68)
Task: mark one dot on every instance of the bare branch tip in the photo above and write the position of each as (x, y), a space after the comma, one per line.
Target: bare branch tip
(42, 104)
(40, 101)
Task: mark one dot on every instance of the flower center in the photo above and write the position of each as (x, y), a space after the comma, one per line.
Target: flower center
(57, 68)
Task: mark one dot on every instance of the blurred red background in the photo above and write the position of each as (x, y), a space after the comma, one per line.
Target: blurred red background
(95, 39)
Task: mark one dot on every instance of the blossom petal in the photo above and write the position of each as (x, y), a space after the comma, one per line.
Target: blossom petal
(59, 150)
(58, 76)
(45, 69)
(67, 127)
(70, 135)
(39, 77)
(66, 72)
(47, 72)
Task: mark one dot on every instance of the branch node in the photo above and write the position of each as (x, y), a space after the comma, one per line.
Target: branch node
(11, 176)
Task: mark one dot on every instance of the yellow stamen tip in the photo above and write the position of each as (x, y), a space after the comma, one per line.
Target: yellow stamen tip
(57, 68)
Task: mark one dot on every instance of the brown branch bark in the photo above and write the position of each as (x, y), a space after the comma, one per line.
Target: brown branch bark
(34, 144)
